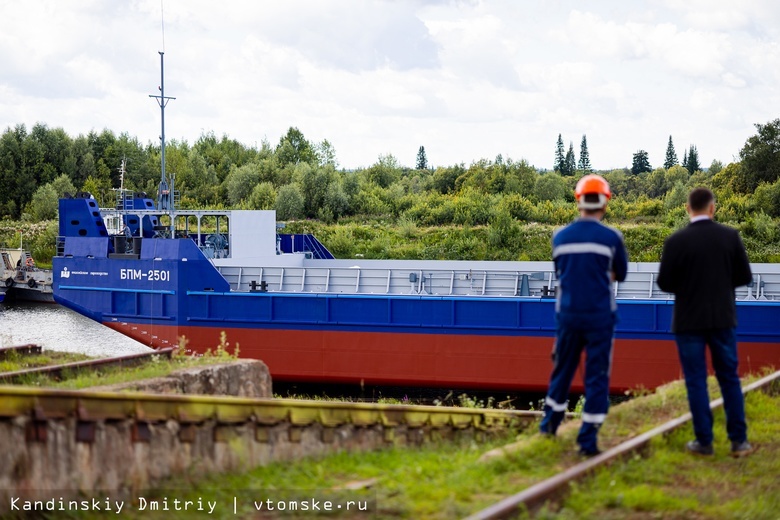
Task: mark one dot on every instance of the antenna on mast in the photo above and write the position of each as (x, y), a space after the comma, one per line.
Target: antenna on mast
(164, 200)
(162, 24)
(122, 171)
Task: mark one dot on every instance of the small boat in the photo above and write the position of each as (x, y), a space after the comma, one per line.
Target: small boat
(22, 279)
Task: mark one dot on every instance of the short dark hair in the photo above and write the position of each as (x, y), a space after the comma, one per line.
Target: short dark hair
(700, 198)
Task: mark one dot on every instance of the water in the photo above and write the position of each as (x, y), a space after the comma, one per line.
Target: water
(56, 328)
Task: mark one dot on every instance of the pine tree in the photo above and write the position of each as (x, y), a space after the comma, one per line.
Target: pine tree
(584, 163)
(570, 165)
(671, 155)
(422, 160)
(693, 160)
(685, 159)
(560, 157)
(641, 163)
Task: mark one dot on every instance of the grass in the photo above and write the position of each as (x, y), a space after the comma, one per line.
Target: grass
(158, 366)
(453, 480)
(15, 361)
(672, 484)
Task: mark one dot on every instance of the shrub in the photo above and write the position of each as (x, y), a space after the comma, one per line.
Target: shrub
(762, 227)
(340, 242)
(550, 186)
(407, 228)
(503, 231)
(518, 206)
(472, 208)
(557, 212)
(767, 198)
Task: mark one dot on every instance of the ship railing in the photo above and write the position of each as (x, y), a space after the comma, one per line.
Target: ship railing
(390, 281)
(532, 284)
(422, 282)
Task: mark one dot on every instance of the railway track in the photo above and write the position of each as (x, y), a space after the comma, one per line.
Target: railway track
(21, 350)
(57, 404)
(56, 372)
(532, 498)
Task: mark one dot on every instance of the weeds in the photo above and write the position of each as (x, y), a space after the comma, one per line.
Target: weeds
(157, 366)
(221, 353)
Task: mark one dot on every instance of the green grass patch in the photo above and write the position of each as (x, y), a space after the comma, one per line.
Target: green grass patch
(670, 483)
(15, 361)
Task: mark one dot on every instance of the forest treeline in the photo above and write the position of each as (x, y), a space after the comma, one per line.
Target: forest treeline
(495, 209)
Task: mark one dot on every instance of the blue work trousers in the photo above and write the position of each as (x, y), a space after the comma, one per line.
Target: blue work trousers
(723, 350)
(570, 342)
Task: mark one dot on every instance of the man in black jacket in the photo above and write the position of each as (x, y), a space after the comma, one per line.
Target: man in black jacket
(702, 264)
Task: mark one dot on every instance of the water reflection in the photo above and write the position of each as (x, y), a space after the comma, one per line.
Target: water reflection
(56, 328)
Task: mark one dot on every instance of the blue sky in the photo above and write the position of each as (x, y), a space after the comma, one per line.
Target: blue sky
(466, 79)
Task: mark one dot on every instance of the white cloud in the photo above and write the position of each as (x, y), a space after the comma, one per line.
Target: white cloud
(465, 79)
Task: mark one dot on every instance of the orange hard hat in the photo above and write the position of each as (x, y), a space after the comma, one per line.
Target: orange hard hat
(592, 184)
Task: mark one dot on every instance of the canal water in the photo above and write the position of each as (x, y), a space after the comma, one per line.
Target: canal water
(56, 328)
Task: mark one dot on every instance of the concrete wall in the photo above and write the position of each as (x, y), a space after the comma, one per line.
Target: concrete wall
(240, 378)
(126, 457)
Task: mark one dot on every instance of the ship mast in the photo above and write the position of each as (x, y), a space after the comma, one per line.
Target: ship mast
(164, 192)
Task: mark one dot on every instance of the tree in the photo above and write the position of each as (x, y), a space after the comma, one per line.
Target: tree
(241, 181)
(692, 165)
(293, 148)
(444, 178)
(641, 163)
(671, 155)
(685, 159)
(560, 156)
(289, 202)
(63, 185)
(550, 186)
(570, 162)
(336, 202)
(263, 196)
(44, 203)
(760, 158)
(676, 197)
(385, 172)
(327, 154)
(584, 162)
(17, 189)
(422, 160)
(715, 167)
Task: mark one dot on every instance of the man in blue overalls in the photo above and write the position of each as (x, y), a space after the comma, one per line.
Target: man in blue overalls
(589, 256)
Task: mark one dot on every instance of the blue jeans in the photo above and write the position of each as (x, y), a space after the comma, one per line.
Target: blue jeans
(723, 349)
(570, 342)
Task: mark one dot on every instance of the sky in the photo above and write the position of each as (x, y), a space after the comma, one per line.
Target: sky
(468, 80)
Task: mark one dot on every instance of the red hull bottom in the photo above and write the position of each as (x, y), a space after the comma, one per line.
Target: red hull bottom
(426, 360)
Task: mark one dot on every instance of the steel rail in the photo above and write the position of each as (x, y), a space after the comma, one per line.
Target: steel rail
(24, 350)
(44, 404)
(557, 485)
(56, 371)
